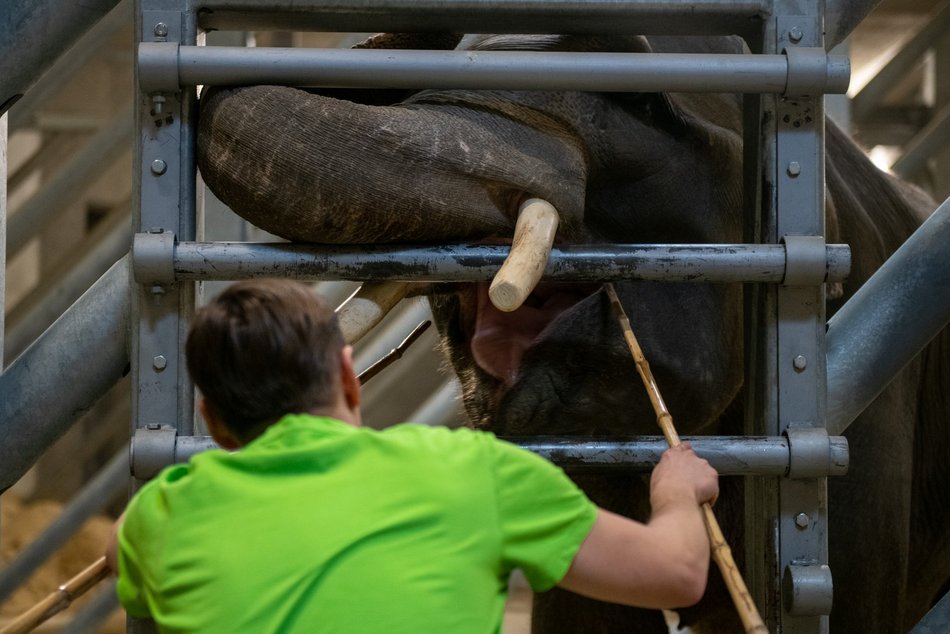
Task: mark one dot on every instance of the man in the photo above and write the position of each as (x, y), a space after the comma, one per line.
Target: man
(316, 524)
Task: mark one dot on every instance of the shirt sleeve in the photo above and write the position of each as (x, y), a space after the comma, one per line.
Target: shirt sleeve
(543, 516)
(140, 541)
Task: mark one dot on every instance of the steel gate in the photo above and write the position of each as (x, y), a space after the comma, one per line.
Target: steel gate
(783, 80)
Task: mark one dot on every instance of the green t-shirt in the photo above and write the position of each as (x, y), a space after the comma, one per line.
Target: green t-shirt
(319, 526)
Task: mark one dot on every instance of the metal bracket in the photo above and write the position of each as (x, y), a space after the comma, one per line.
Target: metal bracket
(806, 260)
(153, 257)
(153, 448)
(814, 454)
(812, 72)
(807, 589)
(158, 67)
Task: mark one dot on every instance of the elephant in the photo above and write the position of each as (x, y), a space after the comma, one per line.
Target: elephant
(436, 166)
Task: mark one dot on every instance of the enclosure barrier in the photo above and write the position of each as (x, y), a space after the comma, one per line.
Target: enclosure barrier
(167, 67)
(155, 448)
(157, 258)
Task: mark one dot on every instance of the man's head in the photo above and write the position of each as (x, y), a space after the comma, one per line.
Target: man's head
(265, 348)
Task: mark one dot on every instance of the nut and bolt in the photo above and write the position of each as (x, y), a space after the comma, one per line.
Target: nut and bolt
(795, 34)
(158, 167)
(794, 169)
(800, 363)
(802, 520)
(159, 362)
(160, 30)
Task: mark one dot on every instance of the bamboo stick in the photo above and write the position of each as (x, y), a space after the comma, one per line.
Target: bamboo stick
(721, 552)
(59, 600)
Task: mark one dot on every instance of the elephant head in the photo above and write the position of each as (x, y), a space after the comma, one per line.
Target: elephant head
(454, 165)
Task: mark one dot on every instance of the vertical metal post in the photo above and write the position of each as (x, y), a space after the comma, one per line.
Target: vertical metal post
(164, 182)
(786, 517)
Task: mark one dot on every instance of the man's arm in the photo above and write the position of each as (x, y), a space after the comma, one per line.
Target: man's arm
(112, 547)
(663, 563)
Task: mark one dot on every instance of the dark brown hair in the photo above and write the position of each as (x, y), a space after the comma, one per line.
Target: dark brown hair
(262, 349)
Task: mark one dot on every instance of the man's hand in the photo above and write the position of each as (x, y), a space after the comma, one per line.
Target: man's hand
(682, 475)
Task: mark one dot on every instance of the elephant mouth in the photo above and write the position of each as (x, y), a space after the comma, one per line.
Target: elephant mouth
(501, 339)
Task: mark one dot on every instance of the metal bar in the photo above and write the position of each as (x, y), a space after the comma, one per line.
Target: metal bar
(28, 324)
(937, 620)
(678, 262)
(105, 486)
(64, 373)
(871, 94)
(730, 455)
(166, 66)
(871, 338)
(34, 33)
(95, 611)
(709, 17)
(69, 64)
(927, 143)
(64, 189)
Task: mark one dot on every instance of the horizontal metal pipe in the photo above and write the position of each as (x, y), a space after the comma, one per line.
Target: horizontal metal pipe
(67, 186)
(723, 17)
(105, 486)
(729, 455)
(904, 305)
(34, 33)
(64, 372)
(166, 66)
(672, 263)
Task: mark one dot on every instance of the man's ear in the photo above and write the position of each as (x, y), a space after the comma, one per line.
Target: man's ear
(351, 384)
(219, 431)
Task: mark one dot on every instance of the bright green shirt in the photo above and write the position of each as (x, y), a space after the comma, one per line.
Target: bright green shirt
(319, 526)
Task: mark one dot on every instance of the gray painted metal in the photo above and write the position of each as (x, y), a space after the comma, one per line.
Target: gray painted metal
(64, 372)
(784, 153)
(65, 188)
(930, 141)
(678, 262)
(51, 27)
(486, 16)
(871, 94)
(870, 339)
(94, 612)
(104, 487)
(92, 265)
(937, 620)
(165, 67)
(70, 63)
(730, 455)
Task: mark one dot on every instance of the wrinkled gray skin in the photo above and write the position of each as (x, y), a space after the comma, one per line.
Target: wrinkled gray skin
(639, 168)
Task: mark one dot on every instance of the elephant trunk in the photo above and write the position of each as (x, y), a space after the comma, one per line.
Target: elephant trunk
(313, 168)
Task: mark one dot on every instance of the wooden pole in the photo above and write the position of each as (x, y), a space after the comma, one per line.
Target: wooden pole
(721, 552)
(59, 600)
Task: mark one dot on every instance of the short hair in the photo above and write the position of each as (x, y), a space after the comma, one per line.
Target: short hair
(262, 349)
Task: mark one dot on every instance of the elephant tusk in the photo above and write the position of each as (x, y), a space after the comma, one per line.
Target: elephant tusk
(367, 306)
(530, 249)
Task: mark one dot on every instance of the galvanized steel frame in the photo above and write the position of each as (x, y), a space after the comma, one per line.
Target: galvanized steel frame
(789, 358)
